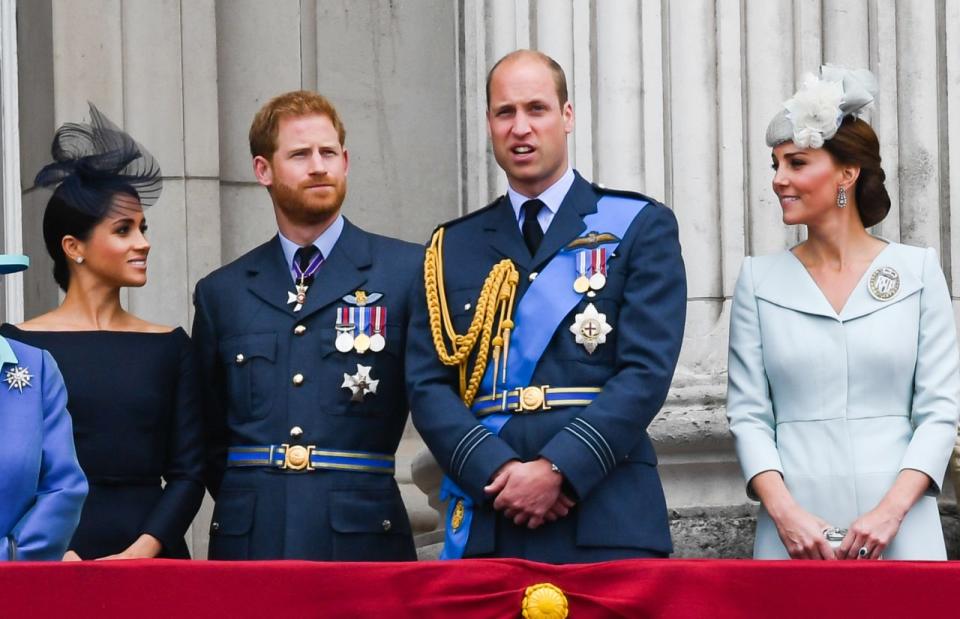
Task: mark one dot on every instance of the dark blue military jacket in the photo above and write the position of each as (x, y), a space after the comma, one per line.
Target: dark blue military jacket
(250, 345)
(603, 449)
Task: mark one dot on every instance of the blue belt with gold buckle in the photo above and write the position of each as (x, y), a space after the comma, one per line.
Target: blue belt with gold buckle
(534, 399)
(308, 458)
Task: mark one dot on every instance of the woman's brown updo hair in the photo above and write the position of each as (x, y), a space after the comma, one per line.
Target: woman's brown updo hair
(856, 144)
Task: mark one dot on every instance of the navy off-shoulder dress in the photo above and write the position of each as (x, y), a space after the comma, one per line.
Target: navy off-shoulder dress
(136, 422)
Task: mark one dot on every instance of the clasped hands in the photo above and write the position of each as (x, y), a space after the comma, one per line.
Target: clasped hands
(802, 535)
(529, 493)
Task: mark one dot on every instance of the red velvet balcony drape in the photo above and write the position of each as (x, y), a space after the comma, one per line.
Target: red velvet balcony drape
(671, 588)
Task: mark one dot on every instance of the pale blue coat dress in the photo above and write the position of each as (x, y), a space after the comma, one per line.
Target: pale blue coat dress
(840, 403)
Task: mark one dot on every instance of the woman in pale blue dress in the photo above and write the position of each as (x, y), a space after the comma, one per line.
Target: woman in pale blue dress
(843, 382)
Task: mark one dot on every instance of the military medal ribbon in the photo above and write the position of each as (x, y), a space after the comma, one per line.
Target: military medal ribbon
(345, 329)
(598, 268)
(581, 284)
(378, 327)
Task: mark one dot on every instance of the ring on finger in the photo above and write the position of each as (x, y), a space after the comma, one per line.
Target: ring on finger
(863, 552)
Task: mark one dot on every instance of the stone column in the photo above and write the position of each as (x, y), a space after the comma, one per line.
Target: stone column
(151, 68)
(11, 239)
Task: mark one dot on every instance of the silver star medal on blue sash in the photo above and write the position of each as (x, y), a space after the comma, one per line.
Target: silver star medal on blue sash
(590, 328)
(17, 378)
(361, 383)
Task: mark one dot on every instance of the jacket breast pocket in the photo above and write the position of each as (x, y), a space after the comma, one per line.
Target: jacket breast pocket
(370, 525)
(376, 375)
(250, 369)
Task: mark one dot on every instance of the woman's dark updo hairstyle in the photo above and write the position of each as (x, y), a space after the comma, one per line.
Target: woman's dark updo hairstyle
(856, 143)
(92, 164)
(60, 220)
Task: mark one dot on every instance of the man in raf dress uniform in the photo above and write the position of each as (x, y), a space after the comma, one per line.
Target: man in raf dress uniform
(545, 345)
(301, 343)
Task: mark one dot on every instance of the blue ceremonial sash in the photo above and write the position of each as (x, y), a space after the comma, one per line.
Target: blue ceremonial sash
(538, 314)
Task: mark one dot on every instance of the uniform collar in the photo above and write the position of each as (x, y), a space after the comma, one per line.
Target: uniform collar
(324, 243)
(552, 196)
(6, 352)
(788, 283)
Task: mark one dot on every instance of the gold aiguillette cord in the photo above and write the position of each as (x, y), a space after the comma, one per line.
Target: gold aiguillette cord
(495, 302)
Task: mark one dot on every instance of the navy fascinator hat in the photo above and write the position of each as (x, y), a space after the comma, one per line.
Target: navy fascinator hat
(93, 162)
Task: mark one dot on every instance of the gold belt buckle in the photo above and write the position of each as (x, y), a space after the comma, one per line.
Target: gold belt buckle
(297, 457)
(532, 398)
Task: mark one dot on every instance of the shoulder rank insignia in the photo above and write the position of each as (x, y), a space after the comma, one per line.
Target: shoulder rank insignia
(17, 378)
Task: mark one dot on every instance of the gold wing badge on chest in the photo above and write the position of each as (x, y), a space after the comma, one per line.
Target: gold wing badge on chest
(360, 326)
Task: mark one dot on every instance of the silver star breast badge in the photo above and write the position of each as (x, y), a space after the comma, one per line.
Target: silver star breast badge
(590, 328)
(360, 383)
(17, 378)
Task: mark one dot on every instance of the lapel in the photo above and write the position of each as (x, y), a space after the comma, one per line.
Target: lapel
(567, 224)
(6, 353)
(342, 272)
(269, 277)
(504, 233)
(785, 282)
(862, 303)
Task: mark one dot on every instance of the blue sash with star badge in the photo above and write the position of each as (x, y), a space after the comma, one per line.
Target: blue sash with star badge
(539, 312)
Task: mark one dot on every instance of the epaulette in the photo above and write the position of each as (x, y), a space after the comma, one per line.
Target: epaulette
(469, 215)
(636, 195)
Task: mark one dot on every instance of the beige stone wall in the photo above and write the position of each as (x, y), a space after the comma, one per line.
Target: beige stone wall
(672, 99)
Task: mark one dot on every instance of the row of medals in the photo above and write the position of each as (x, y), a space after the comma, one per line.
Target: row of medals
(598, 265)
(361, 342)
(347, 341)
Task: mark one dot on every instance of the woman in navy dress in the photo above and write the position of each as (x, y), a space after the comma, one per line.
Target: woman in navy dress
(132, 391)
(41, 484)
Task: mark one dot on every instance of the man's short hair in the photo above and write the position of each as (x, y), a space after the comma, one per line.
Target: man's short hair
(266, 123)
(559, 78)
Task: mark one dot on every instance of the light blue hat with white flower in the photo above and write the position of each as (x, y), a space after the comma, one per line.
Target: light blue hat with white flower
(13, 263)
(814, 113)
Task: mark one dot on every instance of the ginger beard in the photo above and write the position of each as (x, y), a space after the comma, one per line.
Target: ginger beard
(313, 202)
